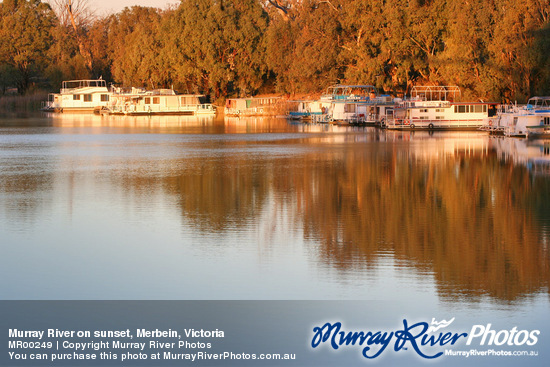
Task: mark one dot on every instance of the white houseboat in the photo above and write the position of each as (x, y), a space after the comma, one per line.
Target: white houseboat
(158, 102)
(95, 96)
(436, 107)
(357, 104)
(531, 120)
(80, 96)
(305, 110)
(254, 106)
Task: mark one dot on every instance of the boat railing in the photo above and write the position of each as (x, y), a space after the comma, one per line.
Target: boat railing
(322, 118)
(422, 103)
(135, 108)
(436, 92)
(69, 86)
(46, 105)
(49, 104)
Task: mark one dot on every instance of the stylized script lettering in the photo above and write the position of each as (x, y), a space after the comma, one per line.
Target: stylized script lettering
(405, 335)
(415, 335)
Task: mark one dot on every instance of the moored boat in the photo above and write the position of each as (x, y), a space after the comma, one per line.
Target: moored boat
(158, 102)
(94, 96)
(531, 120)
(436, 107)
(86, 95)
(357, 104)
(303, 110)
(254, 106)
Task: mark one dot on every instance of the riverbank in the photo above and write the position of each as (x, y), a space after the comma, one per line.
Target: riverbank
(27, 103)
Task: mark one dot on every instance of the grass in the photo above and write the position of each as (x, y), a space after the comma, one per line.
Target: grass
(27, 103)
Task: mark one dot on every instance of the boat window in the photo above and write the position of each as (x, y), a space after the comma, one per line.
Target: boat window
(87, 98)
(547, 121)
(439, 117)
(423, 117)
(462, 109)
(189, 100)
(147, 100)
(423, 110)
(156, 100)
(479, 108)
(76, 97)
(349, 108)
(104, 98)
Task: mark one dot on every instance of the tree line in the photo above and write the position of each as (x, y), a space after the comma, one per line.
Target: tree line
(494, 50)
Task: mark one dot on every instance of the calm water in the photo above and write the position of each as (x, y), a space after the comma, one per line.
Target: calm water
(177, 208)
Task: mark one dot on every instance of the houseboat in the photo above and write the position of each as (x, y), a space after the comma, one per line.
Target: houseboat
(95, 96)
(436, 107)
(79, 96)
(531, 120)
(158, 102)
(303, 110)
(532, 154)
(357, 104)
(254, 106)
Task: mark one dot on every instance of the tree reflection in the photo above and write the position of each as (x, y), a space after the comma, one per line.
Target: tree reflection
(469, 218)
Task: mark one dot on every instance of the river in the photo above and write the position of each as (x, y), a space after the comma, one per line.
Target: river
(181, 208)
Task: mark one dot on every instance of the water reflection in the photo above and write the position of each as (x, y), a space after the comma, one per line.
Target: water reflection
(443, 208)
(532, 154)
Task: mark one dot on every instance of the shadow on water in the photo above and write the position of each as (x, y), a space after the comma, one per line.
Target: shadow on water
(463, 208)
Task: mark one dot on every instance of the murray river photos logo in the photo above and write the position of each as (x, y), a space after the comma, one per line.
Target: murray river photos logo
(427, 340)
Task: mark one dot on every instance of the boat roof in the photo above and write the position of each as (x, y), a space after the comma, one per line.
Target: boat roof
(84, 83)
(252, 98)
(351, 89)
(539, 102)
(435, 92)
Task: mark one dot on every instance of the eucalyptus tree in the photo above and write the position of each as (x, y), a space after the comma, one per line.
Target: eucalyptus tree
(304, 45)
(466, 60)
(75, 19)
(134, 45)
(25, 37)
(519, 47)
(217, 46)
(365, 52)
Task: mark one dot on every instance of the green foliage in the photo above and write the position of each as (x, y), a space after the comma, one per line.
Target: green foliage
(65, 61)
(25, 37)
(134, 45)
(217, 46)
(303, 51)
(494, 50)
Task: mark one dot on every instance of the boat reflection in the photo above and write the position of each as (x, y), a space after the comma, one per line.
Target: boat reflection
(129, 124)
(440, 205)
(532, 154)
(443, 206)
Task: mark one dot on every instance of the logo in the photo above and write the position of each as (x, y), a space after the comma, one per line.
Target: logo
(503, 337)
(424, 339)
(439, 325)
